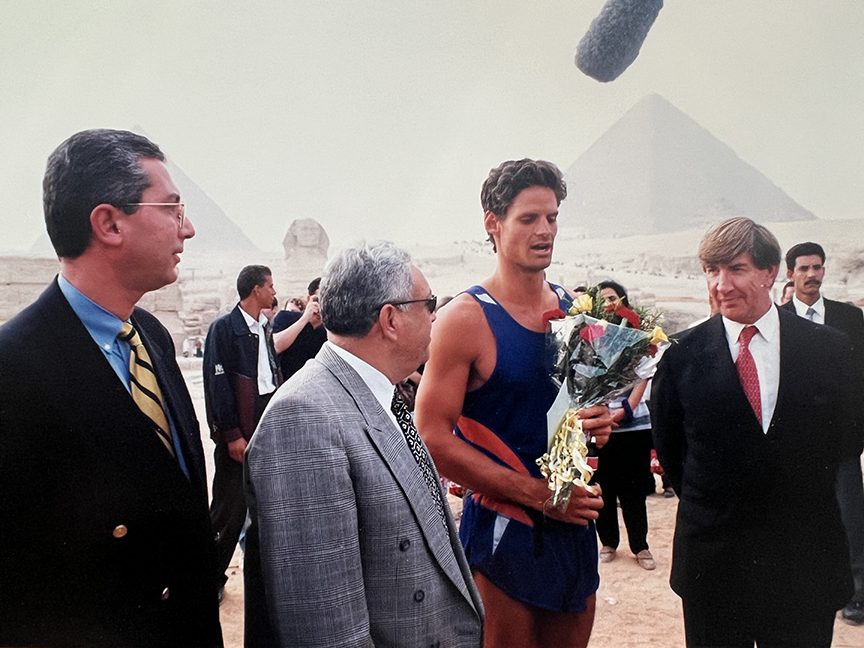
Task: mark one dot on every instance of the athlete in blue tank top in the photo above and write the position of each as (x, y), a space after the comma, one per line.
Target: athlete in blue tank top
(506, 419)
(481, 408)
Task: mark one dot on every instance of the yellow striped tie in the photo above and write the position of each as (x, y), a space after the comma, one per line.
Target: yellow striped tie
(145, 389)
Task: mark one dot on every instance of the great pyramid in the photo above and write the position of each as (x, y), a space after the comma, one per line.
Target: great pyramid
(656, 170)
(215, 233)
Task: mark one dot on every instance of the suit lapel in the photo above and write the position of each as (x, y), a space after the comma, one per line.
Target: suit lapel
(98, 401)
(391, 445)
(185, 423)
(834, 315)
(792, 371)
(716, 364)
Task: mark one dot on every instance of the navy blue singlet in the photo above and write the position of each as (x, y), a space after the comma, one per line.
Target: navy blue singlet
(506, 419)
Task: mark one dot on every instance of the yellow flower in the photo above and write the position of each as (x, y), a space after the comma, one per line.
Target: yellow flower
(583, 303)
(658, 336)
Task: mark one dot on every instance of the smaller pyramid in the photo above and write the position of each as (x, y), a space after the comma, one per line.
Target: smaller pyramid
(656, 170)
(215, 233)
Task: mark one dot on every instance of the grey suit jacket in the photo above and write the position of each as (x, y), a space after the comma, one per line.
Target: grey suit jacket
(352, 550)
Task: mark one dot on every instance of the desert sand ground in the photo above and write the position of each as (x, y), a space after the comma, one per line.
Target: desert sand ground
(635, 608)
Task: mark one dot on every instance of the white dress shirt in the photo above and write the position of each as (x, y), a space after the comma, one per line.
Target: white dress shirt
(819, 307)
(265, 373)
(377, 382)
(765, 349)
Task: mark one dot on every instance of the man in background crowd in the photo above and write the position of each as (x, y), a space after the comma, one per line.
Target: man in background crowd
(788, 292)
(103, 494)
(240, 377)
(298, 336)
(805, 267)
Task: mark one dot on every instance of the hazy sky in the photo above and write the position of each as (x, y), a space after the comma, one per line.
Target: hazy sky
(381, 119)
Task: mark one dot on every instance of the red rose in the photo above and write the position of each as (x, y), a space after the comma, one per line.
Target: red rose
(592, 332)
(553, 314)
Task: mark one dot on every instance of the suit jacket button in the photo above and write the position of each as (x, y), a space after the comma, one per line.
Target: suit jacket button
(165, 594)
(119, 531)
(419, 595)
(403, 546)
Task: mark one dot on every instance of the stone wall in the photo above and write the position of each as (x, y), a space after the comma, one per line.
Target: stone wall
(22, 280)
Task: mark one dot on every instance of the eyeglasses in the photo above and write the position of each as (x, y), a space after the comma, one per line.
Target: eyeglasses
(430, 302)
(181, 214)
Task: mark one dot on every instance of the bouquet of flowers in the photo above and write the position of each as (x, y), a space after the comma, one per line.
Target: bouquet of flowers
(595, 362)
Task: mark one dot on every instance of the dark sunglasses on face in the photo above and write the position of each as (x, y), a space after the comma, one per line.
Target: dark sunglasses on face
(431, 303)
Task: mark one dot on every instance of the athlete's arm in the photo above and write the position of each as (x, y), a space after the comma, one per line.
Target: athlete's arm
(459, 336)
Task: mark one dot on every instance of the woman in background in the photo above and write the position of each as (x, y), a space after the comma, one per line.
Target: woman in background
(624, 464)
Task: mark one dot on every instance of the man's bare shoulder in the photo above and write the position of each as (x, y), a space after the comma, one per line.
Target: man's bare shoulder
(459, 320)
(460, 307)
(463, 341)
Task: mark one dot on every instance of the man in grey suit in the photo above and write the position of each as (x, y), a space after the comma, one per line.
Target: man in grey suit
(352, 542)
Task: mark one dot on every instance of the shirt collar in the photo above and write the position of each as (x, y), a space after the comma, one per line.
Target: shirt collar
(104, 327)
(768, 325)
(377, 382)
(252, 323)
(801, 307)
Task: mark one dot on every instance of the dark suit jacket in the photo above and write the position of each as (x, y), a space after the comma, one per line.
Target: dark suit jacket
(104, 540)
(850, 320)
(846, 318)
(757, 512)
(231, 377)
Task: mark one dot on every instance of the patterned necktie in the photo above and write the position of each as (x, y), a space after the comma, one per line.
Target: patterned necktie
(268, 337)
(747, 371)
(403, 416)
(145, 389)
(811, 314)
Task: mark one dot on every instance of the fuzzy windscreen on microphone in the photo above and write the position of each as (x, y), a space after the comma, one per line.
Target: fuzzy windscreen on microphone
(615, 37)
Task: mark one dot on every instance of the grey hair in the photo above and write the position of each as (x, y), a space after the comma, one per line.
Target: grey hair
(358, 281)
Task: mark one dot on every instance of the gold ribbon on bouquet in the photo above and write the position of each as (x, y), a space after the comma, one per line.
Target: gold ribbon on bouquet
(565, 464)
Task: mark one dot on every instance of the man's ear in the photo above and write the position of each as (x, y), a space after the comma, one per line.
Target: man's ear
(107, 224)
(788, 273)
(493, 228)
(491, 222)
(387, 321)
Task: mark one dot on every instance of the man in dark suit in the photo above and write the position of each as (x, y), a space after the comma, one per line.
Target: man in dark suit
(751, 420)
(106, 539)
(357, 543)
(805, 267)
(240, 377)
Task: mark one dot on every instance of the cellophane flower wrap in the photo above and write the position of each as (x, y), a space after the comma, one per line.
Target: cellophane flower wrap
(595, 362)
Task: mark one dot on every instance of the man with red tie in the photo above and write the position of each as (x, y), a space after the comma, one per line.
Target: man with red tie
(751, 420)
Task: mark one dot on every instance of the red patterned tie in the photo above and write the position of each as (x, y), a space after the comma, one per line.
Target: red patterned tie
(747, 371)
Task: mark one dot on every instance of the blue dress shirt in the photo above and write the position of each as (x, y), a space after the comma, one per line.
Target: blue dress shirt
(104, 327)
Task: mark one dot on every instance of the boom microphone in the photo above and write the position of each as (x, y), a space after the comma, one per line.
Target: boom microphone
(614, 39)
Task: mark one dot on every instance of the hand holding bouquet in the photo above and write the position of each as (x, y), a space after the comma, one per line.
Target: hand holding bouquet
(595, 361)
